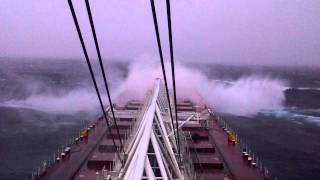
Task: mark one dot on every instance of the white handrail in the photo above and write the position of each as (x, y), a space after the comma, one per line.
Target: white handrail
(167, 143)
(136, 165)
(149, 171)
(180, 126)
(158, 156)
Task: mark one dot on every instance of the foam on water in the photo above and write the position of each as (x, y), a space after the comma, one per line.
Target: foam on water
(295, 116)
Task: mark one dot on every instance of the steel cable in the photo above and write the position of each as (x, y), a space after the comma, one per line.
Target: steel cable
(91, 71)
(155, 22)
(102, 68)
(172, 67)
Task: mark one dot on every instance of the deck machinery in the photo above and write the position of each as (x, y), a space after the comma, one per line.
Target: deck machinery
(150, 149)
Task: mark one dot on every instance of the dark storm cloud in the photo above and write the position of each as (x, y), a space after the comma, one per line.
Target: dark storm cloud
(243, 31)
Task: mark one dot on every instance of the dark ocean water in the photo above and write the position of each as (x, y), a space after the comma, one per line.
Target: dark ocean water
(287, 140)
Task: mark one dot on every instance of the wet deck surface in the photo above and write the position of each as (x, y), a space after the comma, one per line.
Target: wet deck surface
(67, 168)
(212, 156)
(232, 155)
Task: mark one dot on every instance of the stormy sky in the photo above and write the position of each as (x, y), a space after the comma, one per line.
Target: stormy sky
(283, 32)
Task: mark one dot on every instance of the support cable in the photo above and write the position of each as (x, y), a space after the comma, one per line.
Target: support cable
(162, 64)
(91, 71)
(102, 68)
(172, 67)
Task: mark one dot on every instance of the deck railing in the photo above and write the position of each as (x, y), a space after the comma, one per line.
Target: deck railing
(245, 147)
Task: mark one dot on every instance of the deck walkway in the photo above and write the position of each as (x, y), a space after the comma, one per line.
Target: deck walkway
(232, 155)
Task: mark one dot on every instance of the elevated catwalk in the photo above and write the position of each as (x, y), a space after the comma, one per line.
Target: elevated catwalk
(207, 150)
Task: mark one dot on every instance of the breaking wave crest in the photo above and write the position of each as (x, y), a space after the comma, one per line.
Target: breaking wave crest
(244, 96)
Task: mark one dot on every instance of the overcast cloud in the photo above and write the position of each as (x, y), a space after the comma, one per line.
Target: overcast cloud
(228, 31)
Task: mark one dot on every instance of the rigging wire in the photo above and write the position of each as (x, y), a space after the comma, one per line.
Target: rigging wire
(155, 22)
(172, 67)
(102, 68)
(91, 71)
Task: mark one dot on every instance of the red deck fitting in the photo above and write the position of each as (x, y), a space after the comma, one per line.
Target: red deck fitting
(201, 147)
(99, 160)
(207, 161)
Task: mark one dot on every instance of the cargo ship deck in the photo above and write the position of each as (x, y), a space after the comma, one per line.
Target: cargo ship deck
(208, 150)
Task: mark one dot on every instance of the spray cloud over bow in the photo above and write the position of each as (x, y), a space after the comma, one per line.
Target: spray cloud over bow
(244, 96)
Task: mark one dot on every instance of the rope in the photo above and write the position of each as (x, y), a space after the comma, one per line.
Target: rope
(90, 69)
(162, 63)
(172, 67)
(102, 68)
